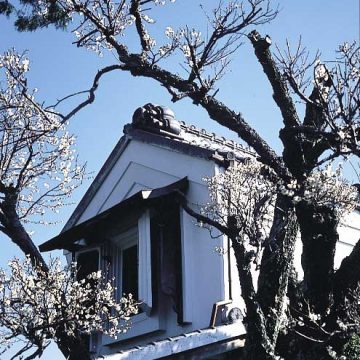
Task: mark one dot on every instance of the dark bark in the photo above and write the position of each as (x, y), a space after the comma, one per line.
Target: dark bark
(73, 348)
(319, 235)
(347, 276)
(228, 118)
(258, 343)
(20, 237)
(272, 264)
(314, 147)
(281, 94)
(276, 264)
(292, 153)
(12, 227)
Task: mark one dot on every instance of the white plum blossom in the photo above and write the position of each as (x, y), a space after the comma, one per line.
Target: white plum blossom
(327, 187)
(148, 19)
(100, 25)
(243, 192)
(169, 32)
(37, 158)
(38, 306)
(100, 15)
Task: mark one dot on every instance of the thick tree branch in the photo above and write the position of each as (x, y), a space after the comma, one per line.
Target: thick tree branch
(234, 121)
(293, 152)
(13, 228)
(134, 10)
(281, 94)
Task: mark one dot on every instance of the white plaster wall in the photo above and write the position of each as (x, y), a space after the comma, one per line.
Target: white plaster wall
(151, 166)
(146, 166)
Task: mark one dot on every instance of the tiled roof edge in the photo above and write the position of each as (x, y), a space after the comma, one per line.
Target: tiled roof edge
(192, 129)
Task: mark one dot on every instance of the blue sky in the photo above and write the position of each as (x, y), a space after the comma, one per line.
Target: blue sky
(59, 68)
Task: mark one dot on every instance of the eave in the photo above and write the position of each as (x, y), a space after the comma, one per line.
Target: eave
(99, 223)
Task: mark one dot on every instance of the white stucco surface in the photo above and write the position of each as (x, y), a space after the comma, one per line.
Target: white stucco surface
(148, 166)
(207, 276)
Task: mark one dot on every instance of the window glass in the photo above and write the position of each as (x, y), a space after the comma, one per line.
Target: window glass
(124, 253)
(87, 263)
(130, 271)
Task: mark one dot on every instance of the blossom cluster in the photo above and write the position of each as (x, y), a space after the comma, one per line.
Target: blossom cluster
(37, 158)
(100, 22)
(242, 191)
(108, 14)
(100, 25)
(39, 306)
(328, 188)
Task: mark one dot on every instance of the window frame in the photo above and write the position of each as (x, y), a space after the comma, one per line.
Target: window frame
(144, 259)
(126, 239)
(142, 323)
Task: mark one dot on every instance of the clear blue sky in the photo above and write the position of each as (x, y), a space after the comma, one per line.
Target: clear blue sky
(59, 68)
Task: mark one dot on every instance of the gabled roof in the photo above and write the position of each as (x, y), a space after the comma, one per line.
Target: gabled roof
(188, 139)
(192, 141)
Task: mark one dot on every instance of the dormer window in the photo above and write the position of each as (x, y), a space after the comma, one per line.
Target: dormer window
(138, 243)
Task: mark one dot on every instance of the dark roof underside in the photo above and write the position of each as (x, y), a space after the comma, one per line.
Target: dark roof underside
(140, 200)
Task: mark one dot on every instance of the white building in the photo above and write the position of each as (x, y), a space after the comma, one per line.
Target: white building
(131, 223)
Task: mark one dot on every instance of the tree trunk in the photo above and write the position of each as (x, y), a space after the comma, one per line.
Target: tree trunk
(278, 253)
(73, 348)
(348, 275)
(258, 345)
(318, 225)
(18, 235)
(276, 265)
(12, 227)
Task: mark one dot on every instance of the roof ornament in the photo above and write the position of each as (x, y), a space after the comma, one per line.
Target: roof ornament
(156, 117)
